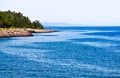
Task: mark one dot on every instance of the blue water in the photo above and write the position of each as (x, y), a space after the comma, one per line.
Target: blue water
(73, 52)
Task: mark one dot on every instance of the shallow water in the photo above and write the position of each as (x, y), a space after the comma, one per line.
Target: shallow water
(74, 52)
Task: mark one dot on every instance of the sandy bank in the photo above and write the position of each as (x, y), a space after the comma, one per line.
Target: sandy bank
(21, 32)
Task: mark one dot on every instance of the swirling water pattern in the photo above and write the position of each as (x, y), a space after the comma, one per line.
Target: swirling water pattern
(73, 52)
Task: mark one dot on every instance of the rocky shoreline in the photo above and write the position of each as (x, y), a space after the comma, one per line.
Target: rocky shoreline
(21, 32)
(40, 30)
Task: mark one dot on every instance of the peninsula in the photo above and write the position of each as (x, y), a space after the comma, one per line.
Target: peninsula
(14, 24)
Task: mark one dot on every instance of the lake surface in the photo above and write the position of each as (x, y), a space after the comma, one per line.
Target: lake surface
(73, 52)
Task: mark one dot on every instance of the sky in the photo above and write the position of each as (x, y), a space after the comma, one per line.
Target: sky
(79, 12)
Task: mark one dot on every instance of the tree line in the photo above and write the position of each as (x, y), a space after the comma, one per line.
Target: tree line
(9, 19)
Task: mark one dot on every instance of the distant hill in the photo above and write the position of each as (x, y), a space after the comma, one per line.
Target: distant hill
(58, 24)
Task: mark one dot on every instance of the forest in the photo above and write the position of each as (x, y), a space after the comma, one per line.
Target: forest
(9, 19)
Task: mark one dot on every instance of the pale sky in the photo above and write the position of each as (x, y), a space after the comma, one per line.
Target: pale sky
(84, 12)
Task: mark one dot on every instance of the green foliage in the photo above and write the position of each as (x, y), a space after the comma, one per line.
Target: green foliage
(10, 19)
(37, 25)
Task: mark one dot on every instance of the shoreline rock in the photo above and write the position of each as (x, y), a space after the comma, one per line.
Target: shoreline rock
(40, 30)
(4, 33)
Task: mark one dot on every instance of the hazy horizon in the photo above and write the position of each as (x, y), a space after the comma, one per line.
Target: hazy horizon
(71, 24)
(75, 12)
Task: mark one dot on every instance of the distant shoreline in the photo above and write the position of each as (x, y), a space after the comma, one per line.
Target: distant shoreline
(21, 32)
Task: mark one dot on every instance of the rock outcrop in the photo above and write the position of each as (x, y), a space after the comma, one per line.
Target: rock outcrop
(14, 33)
(21, 32)
(40, 30)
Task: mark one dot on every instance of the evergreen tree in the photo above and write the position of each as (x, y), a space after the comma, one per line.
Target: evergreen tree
(37, 25)
(17, 20)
